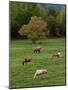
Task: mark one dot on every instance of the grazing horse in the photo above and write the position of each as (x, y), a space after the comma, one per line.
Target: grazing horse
(37, 49)
(39, 72)
(27, 60)
(56, 55)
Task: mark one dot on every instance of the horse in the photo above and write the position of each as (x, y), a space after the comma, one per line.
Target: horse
(39, 72)
(56, 55)
(37, 49)
(27, 60)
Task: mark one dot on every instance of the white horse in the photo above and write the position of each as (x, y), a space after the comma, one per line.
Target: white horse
(39, 72)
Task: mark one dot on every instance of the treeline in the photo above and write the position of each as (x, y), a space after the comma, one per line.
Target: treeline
(21, 13)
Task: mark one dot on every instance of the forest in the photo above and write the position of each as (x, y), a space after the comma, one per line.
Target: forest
(53, 15)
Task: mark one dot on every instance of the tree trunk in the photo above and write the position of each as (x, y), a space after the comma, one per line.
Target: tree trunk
(34, 41)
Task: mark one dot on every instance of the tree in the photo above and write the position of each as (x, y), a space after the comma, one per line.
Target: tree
(60, 22)
(52, 25)
(35, 29)
(20, 14)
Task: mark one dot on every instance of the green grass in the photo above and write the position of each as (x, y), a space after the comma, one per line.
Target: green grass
(21, 76)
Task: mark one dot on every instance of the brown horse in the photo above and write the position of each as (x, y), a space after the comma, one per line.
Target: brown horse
(27, 60)
(37, 49)
(56, 55)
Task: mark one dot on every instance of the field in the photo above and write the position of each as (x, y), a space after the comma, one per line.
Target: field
(22, 76)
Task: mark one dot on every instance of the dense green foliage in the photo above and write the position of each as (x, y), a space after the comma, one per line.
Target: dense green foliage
(21, 13)
(21, 76)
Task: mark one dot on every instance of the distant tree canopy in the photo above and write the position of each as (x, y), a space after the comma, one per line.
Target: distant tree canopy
(21, 13)
(56, 20)
(35, 29)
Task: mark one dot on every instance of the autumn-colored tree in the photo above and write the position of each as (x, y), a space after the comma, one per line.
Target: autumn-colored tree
(35, 29)
(20, 14)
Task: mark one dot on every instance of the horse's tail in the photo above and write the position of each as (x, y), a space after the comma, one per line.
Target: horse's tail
(34, 76)
(23, 62)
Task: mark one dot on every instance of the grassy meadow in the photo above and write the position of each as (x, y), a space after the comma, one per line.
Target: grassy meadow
(22, 76)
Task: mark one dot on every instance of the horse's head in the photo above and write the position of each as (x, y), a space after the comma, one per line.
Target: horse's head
(45, 70)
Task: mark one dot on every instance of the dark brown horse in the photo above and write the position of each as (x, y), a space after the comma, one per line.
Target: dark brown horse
(27, 60)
